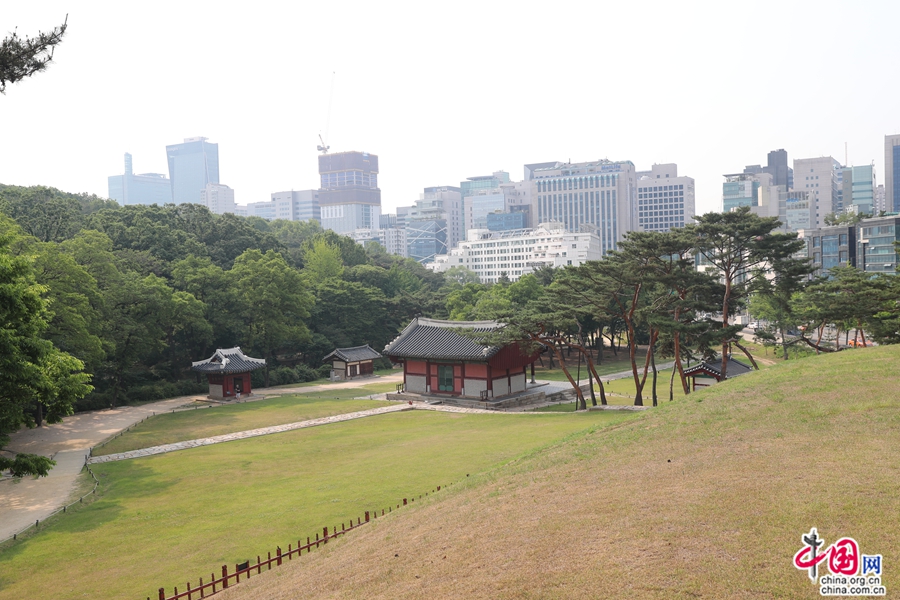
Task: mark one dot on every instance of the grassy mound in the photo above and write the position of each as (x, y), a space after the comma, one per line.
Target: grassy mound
(704, 497)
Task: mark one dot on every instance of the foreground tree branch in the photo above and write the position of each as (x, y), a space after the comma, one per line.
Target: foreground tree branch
(23, 57)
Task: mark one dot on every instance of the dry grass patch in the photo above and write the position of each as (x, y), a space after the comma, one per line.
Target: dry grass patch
(703, 497)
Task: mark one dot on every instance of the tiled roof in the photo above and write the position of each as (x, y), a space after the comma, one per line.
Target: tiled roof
(228, 360)
(433, 338)
(355, 354)
(735, 368)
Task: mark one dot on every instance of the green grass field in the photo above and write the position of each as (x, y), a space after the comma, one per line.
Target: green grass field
(164, 520)
(206, 422)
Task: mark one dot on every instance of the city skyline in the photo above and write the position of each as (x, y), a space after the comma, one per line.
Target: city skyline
(581, 91)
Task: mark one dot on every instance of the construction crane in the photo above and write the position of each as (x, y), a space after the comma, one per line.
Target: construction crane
(323, 148)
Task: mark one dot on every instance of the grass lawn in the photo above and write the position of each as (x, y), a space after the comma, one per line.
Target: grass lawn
(704, 497)
(164, 520)
(168, 428)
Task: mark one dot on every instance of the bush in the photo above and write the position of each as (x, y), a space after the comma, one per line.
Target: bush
(149, 392)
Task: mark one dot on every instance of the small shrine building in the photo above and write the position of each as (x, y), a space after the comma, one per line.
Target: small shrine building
(706, 374)
(347, 363)
(438, 360)
(228, 372)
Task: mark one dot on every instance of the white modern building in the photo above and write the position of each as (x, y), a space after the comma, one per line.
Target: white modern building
(598, 196)
(218, 198)
(822, 179)
(393, 240)
(665, 200)
(264, 210)
(490, 254)
(297, 206)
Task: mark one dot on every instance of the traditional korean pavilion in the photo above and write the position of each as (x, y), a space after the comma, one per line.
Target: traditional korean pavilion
(438, 360)
(347, 363)
(228, 371)
(706, 374)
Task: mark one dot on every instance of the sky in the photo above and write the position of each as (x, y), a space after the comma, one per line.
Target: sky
(445, 91)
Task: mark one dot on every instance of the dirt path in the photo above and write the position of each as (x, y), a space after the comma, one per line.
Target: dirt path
(26, 500)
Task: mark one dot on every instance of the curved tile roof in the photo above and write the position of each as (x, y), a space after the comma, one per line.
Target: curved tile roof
(735, 368)
(228, 360)
(357, 353)
(434, 338)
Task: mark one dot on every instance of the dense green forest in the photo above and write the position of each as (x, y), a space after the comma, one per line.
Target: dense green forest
(138, 292)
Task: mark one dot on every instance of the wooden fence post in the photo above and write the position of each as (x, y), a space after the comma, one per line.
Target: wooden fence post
(325, 534)
(278, 552)
(162, 594)
(367, 516)
(404, 502)
(224, 576)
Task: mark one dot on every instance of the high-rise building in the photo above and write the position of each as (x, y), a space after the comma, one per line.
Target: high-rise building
(880, 200)
(740, 189)
(146, 188)
(297, 206)
(394, 241)
(192, 165)
(434, 224)
(517, 199)
(480, 196)
(665, 200)
(859, 189)
(829, 247)
(349, 197)
(799, 210)
(218, 198)
(592, 196)
(876, 250)
(264, 210)
(777, 167)
(821, 177)
(892, 172)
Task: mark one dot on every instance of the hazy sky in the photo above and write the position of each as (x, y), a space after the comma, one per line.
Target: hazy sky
(441, 92)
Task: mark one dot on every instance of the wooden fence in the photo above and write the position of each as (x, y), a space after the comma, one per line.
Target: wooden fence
(217, 584)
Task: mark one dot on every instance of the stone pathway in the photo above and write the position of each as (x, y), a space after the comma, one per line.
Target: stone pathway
(242, 435)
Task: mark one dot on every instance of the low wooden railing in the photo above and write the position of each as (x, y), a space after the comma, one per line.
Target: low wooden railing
(217, 584)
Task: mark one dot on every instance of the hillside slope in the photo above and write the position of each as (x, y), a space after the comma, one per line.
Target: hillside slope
(705, 497)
